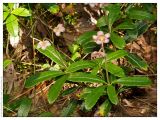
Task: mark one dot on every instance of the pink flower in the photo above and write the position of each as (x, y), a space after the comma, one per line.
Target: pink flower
(43, 44)
(57, 30)
(97, 54)
(101, 37)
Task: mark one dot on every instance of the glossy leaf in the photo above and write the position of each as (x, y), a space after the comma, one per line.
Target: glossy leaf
(114, 13)
(55, 89)
(134, 13)
(112, 94)
(6, 63)
(69, 110)
(21, 12)
(126, 25)
(80, 65)
(92, 98)
(115, 70)
(133, 81)
(24, 107)
(142, 27)
(136, 61)
(5, 15)
(117, 54)
(117, 40)
(84, 77)
(40, 77)
(102, 21)
(12, 25)
(104, 109)
(54, 55)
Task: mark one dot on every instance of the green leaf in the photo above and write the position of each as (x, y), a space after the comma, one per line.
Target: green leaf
(5, 15)
(46, 114)
(55, 89)
(136, 61)
(84, 77)
(40, 77)
(102, 21)
(115, 70)
(86, 41)
(69, 91)
(134, 13)
(54, 55)
(21, 12)
(112, 94)
(12, 25)
(10, 5)
(92, 98)
(6, 63)
(24, 107)
(85, 37)
(104, 108)
(5, 98)
(75, 56)
(68, 111)
(53, 9)
(133, 81)
(117, 40)
(114, 13)
(73, 48)
(126, 25)
(5, 8)
(80, 65)
(117, 54)
(142, 27)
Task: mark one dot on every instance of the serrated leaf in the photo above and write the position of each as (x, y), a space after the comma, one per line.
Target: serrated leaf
(117, 54)
(118, 41)
(84, 77)
(92, 98)
(46, 114)
(24, 107)
(112, 94)
(115, 70)
(55, 89)
(5, 15)
(12, 25)
(114, 13)
(136, 61)
(102, 21)
(134, 13)
(21, 12)
(133, 81)
(126, 25)
(68, 111)
(80, 65)
(40, 77)
(104, 109)
(6, 63)
(54, 55)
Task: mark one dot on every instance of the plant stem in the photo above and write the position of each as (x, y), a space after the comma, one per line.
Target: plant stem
(107, 76)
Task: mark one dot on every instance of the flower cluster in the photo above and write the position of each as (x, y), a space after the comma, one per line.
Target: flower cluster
(57, 30)
(101, 38)
(43, 44)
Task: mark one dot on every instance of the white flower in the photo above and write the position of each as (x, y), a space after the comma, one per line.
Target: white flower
(43, 44)
(57, 30)
(14, 40)
(101, 37)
